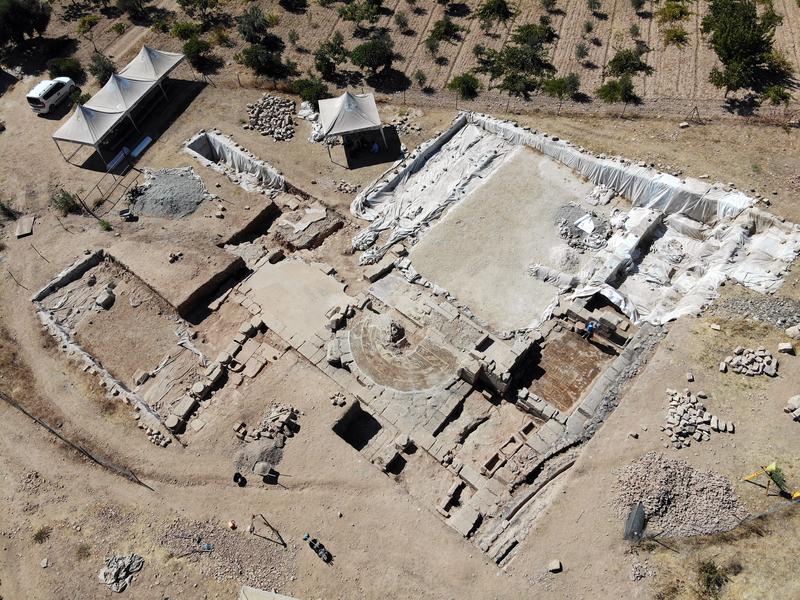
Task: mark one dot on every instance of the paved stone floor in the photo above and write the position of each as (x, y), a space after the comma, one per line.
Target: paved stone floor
(424, 364)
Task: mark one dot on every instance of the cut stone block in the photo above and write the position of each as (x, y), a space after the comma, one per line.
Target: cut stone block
(184, 407)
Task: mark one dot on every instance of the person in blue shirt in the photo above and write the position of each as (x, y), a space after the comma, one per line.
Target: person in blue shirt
(589, 330)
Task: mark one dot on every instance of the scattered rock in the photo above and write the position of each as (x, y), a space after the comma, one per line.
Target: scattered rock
(555, 566)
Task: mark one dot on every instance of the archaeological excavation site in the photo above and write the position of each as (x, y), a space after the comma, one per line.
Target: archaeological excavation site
(259, 347)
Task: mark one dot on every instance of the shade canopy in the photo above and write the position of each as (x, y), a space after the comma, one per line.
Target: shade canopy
(87, 126)
(151, 65)
(348, 113)
(92, 121)
(119, 94)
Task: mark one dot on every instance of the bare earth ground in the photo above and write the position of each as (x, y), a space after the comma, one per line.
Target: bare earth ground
(385, 544)
(491, 271)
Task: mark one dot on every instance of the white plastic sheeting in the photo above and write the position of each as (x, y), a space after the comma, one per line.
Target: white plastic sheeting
(455, 164)
(222, 154)
(668, 255)
(643, 186)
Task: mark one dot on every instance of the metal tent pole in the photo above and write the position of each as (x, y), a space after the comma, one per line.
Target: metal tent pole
(59, 150)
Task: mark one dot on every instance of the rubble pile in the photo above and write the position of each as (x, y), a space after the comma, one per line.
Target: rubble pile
(688, 419)
(678, 499)
(118, 571)
(347, 188)
(567, 220)
(747, 361)
(793, 407)
(278, 424)
(404, 126)
(272, 115)
(225, 555)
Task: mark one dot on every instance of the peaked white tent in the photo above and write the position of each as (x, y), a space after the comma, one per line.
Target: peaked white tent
(87, 126)
(119, 94)
(349, 113)
(91, 122)
(151, 65)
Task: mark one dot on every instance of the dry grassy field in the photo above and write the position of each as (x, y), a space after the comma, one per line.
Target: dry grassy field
(678, 83)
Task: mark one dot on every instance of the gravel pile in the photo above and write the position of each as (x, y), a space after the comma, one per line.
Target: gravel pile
(688, 419)
(272, 115)
(169, 193)
(678, 499)
(778, 311)
(236, 555)
(747, 361)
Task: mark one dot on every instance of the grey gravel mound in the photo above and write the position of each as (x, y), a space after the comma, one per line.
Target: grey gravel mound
(678, 499)
(776, 310)
(169, 193)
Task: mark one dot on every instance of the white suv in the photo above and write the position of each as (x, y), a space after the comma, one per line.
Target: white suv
(48, 94)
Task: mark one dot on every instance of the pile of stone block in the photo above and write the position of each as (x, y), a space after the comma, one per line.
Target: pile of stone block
(688, 419)
(747, 361)
(280, 423)
(154, 435)
(793, 407)
(272, 115)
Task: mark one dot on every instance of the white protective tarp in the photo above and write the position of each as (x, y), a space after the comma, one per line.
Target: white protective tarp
(87, 126)
(151, 65)
(348, 113)
(119, 94)
(454, 166)
(221, 153)
(668, 254)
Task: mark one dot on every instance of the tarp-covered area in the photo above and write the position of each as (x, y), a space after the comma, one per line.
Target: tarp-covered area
(94, 120)
(453, 166)
(349, 113)
(222, 154)
(667, 253)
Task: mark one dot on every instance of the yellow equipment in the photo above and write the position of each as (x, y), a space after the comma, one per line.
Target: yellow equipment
(774, 475)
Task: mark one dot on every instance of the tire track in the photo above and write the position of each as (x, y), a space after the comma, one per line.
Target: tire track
(793, 33)
(420, 38)
(608, 41)
(696, 59)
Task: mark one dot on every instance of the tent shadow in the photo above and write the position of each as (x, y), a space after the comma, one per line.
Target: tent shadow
(358, 148)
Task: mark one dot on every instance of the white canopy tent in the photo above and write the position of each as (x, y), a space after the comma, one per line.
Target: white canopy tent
(119, 94)
(151, 65)
(87, 127)
(93, 121)
(349, 113)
